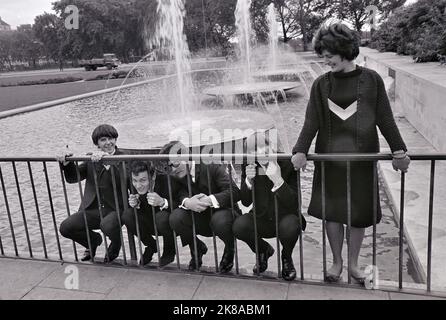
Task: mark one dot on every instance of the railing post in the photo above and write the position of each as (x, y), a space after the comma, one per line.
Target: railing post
(84, 213)
(8, 211)
(401, 231)
(67, 205)
(154, 222)
(25, 224)
(431, 214)
(130, 236)
(349, 220)
(233, 218)
(169, 187)
(276, 222)
(53, 214)
(324, 244)
(31, 177)
(118, 209)
(254, 212)
(194, 230)
(100, 204)
(299, 208)
(375, 208)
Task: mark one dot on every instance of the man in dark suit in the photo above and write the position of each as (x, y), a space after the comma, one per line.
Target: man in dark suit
(151, 192)
(270, 179)
(199, 204)
(104, 137)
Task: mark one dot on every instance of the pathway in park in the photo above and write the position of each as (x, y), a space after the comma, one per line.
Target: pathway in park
(30, 280)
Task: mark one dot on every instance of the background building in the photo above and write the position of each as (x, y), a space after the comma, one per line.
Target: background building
(4, 26)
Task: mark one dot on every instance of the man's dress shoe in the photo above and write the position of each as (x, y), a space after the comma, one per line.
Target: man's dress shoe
(263, 259)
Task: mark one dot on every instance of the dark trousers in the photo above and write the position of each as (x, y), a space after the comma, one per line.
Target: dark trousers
(147, 229)
(289, 231)
(220, 224)
(74, 228)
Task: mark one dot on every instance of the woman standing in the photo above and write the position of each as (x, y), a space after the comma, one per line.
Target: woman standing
(345, 107)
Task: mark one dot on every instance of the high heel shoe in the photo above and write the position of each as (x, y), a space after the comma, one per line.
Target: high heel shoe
(332, 278)
(359, 280)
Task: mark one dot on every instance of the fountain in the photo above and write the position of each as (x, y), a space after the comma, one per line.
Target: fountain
(273, 70)
(189, 124)
(249, 87)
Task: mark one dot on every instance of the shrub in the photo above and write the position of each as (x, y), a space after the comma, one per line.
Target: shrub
(42, 81)
(418, 30)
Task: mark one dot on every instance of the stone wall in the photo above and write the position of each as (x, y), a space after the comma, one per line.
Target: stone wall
(419, 89)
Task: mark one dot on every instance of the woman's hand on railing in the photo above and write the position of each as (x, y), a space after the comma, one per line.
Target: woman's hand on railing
(299, 161)
(400, 161)
(134, 201)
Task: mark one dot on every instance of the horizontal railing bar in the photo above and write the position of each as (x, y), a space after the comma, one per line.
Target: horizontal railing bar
(237, 156)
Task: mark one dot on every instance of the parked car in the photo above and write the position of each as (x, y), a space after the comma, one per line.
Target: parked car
(109, 61)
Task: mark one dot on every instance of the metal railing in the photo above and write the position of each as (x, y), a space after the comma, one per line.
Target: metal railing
(224, 159)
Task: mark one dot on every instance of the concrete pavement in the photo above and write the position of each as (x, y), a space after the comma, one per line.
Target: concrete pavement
(36, 280)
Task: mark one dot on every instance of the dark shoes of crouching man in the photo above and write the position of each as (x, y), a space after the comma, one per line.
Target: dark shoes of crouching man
(263, 260)
(167, 257)
(202, 249)
(112, 252)
(147, 255)
(94, 245)
(288, 270)
(227, 260)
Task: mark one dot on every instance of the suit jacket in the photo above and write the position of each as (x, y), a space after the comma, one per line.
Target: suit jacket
(287, 197)
(162, 189)
(105, 183)
(219, 183)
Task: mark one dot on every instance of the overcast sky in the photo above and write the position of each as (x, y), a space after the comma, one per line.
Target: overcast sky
(16, 12)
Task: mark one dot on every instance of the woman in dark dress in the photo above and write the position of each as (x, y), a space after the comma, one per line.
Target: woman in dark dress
(346, 106)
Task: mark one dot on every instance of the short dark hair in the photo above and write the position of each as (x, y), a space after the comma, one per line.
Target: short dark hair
(173, 147)
(337, 38)
(136, 167)
(103, 130)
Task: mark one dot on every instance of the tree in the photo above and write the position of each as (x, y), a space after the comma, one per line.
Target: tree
(259, 19)
(309, 16)
(26, 45)
(354, 11)
(105, 26)
(418, 30)
(48, 29)
(6, 49)
(209, 23)
(301, 18)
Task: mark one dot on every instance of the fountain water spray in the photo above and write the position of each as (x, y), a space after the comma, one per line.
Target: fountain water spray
(169, 36)
(273, 41)
(244, 34)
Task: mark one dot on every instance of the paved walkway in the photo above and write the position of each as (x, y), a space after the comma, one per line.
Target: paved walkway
(35, 280)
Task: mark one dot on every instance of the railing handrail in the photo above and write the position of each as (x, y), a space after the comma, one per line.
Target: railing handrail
(235, 156)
